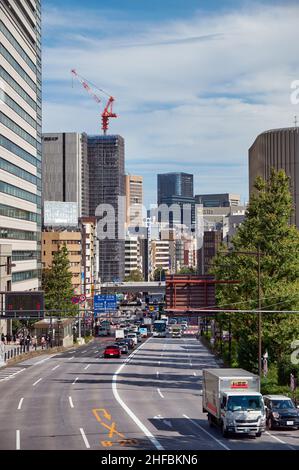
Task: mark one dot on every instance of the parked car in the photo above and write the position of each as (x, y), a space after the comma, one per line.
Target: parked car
(124, 348)
(112, 350)
(281, 412)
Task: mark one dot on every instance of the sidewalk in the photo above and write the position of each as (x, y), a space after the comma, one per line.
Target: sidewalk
(10, 351)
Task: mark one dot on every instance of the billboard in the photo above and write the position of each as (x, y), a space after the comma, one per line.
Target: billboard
(24, 304)
(60, 213)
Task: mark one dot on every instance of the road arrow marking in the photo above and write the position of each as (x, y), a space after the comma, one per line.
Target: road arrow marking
(105, 413)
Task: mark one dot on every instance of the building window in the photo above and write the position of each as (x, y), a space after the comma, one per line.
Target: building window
(10, 124)
(24, 275)
(17, 171)
(16, 150)
(17, 109)
(17, 46)
(17, 67)
(12, 234)
(8, 211)
(17, 192)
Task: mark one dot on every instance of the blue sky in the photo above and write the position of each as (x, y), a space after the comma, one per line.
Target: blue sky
(195, 81)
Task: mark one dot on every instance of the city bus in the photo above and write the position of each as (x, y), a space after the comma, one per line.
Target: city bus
(159, 329)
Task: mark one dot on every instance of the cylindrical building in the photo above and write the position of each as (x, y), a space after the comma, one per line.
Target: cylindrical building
(278, 149)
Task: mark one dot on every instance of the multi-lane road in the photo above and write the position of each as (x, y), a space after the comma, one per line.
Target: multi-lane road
(148, 400)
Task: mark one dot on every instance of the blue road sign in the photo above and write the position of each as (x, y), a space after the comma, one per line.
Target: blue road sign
(104, 303)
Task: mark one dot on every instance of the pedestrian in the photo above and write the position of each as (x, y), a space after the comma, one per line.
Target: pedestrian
(47, 341)
(14, 338)
(28, 341)
(8, 337)
(34, 342)
(43, 341)
(3, 338)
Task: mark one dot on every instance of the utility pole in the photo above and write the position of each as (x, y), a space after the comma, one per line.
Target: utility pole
(260, 311)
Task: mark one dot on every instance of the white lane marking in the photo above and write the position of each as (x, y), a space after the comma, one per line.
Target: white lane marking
(75, 380)
(42, 361)
(71, 358)
(33, 385)
(83, 351)
(209, 434)
(161, 394)
(280, 440)
(18, 440)
(136, 420)
(84, 438)
(194, 373)
(157, 373)
(159, 362)
(20, 403)
(71, 402)
(87, 366)
(56, 367)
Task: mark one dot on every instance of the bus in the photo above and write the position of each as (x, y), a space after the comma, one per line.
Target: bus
(159, 329)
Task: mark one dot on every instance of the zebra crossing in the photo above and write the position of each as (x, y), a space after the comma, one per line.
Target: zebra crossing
(9, 373)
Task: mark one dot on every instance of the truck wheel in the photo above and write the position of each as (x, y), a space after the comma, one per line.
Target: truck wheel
(224, 431)
(258, 434)
(210, 421)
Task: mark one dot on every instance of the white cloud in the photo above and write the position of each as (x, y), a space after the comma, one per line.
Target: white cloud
(189, 94)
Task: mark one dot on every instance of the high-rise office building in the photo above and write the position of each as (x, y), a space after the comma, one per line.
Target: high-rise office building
(134, 200)
(176, 189)
(278, 149)
(65, 169)
(106, 157)
(174, 184)
(20, 140)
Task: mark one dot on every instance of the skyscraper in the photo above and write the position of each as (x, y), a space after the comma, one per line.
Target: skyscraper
(134, 200)
(106, 157)
(174, 184)
(177, 189)
(65, 169)
(278, 149)
(20, 141)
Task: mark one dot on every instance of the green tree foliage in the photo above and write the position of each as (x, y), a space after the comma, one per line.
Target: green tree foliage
(266, 227)
(57, 284)
(135, 276)
(187, 270)
(159, 274)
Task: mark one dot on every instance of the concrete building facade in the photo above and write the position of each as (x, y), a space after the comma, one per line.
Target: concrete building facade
(134, 200)
(20, 140)
(218, 200)
(52, 239)
(65, 169)
(278, 149)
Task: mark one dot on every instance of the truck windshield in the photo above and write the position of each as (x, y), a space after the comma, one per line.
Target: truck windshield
(245, 402)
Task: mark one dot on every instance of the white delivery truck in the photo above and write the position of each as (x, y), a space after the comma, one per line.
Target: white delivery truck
(232, 399)
(119, 333)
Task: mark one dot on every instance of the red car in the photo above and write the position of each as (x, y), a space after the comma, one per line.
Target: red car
(112, 351)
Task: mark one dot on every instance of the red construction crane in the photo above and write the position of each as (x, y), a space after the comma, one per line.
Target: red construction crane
(108, 111)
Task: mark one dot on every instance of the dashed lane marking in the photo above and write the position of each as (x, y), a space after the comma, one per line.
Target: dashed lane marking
(71, 402)
(84, 438)
(85, 368)
(160, 393)
(56, 367)
(20, 403)
(18, 440)
(35, 383)
(75, 380)
(279, 440)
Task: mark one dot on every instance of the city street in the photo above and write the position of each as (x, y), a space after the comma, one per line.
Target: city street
(148, 400)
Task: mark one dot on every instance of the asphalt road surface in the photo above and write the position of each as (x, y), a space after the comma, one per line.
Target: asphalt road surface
(150, 399)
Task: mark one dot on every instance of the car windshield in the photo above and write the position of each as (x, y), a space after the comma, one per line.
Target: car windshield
(282, 404)
(246, 402)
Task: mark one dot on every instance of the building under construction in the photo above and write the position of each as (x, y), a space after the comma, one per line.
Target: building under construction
(106, 184)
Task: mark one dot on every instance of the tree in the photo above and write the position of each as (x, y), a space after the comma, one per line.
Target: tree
(266, 227)
(187, 270)
(57, 284)
(134, 276)
(159, 274)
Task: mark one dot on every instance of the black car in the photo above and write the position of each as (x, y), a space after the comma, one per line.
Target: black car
(129, 342)
(281, 412)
